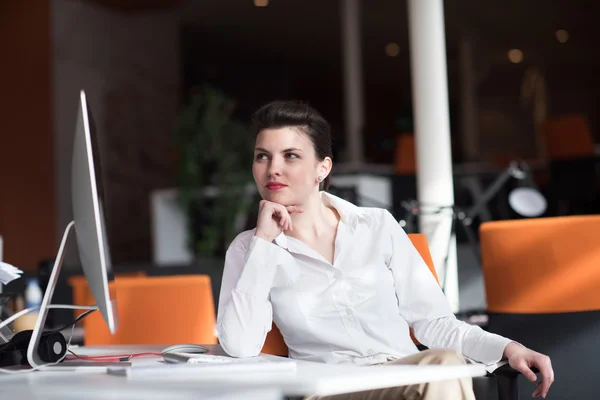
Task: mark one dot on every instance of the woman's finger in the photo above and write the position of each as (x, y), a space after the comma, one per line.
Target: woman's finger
(537, 391)
(547, 373)
(523, 368)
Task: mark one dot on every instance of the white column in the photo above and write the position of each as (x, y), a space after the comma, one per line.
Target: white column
(353, 83)
(1, 249)
(432, 134)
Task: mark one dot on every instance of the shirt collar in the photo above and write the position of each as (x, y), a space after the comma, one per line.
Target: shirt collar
(350, 215)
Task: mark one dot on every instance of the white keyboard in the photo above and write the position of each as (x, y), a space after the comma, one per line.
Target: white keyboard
(195, 358)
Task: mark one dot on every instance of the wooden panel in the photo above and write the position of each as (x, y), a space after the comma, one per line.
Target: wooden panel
(133, 6)
(27, 198)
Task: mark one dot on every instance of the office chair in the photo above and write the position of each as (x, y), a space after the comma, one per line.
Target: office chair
(158, 310)
(81, 291)
(542, 282)
(570, 147)
(505, 378)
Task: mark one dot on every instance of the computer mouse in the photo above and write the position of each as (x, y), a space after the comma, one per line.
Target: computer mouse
(184, 348)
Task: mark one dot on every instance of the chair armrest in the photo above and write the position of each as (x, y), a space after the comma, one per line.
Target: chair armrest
(507, 381)
(507, 370)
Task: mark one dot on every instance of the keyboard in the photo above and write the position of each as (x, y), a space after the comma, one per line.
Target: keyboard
(195, 358)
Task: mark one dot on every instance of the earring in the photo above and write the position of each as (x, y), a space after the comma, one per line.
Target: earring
(320, 179)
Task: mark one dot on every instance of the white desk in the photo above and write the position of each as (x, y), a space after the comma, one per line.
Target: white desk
(308, 378)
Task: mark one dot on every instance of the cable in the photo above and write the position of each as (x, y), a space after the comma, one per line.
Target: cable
(23, 371)
(8, 344)
(28, 310)
(112, 357)
(79, 318)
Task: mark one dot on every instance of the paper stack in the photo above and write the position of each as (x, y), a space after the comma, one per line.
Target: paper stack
(8, 273)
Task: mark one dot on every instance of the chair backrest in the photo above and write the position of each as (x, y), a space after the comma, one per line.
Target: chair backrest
(542, 286)
(158, 310)
(81, 291)
(542, 265)
(404, 157)
(274, 343)
(568, 136)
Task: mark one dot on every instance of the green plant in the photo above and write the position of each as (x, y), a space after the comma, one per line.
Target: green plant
(215, 150)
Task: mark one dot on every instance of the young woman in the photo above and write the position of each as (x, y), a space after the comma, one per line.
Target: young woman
(342, 283)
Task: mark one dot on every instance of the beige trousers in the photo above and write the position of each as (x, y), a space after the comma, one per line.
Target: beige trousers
(458, 389)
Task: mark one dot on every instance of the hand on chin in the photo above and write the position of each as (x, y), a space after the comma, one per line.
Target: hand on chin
(277, 197)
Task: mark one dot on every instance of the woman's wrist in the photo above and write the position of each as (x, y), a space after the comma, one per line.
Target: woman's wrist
(510, 349)
(263, 236)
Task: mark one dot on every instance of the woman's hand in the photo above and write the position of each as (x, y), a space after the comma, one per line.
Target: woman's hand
(273, 218)
(523, 359)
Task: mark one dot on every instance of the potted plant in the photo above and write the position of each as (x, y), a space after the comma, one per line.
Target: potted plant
(214, 171)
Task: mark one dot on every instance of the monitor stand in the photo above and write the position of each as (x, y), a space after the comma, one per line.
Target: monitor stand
(5, 334)
(33, 358)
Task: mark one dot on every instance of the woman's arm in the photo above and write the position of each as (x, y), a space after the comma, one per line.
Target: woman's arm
(244, 314)
(424, 306)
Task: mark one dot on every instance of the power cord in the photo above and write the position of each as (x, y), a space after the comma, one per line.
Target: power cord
(112, 357)
(59, 306)
(89, 309)
(104, 358)
(75, 321)
(23, 371)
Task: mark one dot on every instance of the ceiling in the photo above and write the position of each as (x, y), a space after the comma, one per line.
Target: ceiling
(309, 30)
(137, 6)
(259, 50)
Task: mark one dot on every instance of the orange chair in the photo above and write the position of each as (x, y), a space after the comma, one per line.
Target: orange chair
(81, 290)
(274, 343)
(542, 282)
(404, 157)
(522, 259)
(504, 379)
(571, 151)
(158, 310)
(568, 136)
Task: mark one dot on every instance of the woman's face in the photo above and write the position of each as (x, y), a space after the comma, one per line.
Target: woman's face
(285, 166)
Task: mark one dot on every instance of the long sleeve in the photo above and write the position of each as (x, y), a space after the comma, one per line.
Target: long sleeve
(245, 314)
(424, 306)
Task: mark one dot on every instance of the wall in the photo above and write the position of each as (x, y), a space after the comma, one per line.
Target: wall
(129, 66)
(27, 202)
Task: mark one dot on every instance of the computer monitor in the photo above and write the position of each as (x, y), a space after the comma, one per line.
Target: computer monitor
(90, 230)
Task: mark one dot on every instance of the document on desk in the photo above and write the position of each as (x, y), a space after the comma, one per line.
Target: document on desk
(8, 273)
(185, 370)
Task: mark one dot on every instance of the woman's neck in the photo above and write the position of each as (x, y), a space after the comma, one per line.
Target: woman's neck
(316, 219)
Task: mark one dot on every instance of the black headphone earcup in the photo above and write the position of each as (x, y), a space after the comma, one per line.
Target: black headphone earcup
(53, 347)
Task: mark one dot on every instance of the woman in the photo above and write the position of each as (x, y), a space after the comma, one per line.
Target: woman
(341, 282)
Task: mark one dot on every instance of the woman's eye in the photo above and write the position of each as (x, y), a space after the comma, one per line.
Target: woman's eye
(291, 155)
(261, 156)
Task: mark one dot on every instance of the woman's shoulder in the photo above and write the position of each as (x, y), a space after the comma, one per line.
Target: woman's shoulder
(378, 217)
(242, 240)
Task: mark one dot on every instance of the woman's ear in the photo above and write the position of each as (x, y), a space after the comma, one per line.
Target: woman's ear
(325, 167)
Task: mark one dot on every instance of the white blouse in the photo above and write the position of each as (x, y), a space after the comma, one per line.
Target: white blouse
(356, 310)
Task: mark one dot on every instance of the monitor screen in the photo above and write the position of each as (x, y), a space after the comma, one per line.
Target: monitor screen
(87, 191)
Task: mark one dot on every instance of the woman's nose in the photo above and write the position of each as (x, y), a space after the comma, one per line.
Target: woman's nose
(274, 168)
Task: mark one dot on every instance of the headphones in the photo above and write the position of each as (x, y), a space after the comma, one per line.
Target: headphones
(52, 348)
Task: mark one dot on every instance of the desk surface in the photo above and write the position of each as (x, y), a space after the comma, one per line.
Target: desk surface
(307, 378)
